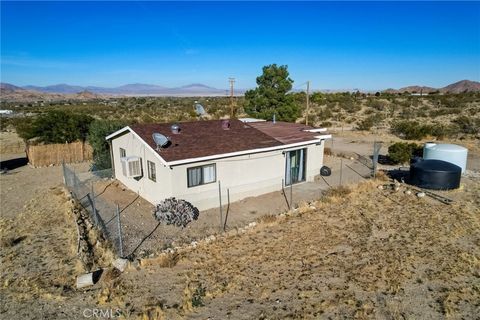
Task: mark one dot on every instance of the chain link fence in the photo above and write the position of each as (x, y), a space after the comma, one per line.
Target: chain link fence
(105, 216)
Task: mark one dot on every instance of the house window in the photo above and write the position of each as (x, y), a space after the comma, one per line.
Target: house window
(201, 175)
(152, 174)
(123, 153)
(295, 166)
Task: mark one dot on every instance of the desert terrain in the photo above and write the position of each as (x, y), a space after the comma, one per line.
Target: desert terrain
(355, 252)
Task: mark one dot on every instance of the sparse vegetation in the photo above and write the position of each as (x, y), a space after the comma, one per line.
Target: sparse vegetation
(402, 152)
(411, 130)
(55, 127)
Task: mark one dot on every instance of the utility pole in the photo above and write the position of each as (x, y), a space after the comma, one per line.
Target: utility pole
(308, 102)
(232, 81)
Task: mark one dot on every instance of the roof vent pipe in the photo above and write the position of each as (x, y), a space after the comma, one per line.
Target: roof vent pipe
(225, 124)
(175, 128)
(274, 118)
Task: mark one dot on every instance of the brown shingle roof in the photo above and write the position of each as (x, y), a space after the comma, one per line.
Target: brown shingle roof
(208, 138)
(285, 132)
(205, 138)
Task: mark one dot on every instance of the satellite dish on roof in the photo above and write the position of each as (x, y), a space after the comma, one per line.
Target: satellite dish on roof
(160, 140)
(199, 109)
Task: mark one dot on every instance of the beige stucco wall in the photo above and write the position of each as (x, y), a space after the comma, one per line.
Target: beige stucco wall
(149, 190)
(244, 176)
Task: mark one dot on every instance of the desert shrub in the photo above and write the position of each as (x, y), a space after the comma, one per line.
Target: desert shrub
(444, 111)
(411, 130)
(467, 125)
(407, 113)
(376, 104)
(401, 152)
(98, 130)
(367, 123)
(198, 295)
(324, 114)
(440, 131)
(339, 191)
(325, 124)
(56, 126)
(350, 106)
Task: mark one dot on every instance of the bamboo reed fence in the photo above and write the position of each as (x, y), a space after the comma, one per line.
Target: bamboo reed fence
(56, 154)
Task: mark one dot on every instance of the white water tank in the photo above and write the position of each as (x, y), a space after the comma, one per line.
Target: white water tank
(447, 152)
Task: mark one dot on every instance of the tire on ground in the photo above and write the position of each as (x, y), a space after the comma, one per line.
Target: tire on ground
(325, 171)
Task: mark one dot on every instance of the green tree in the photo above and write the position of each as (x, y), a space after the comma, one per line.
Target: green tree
(401, 152)
(56, 126)
(270, 96)
(99, 129)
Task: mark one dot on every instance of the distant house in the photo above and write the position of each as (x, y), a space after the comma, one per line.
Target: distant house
(249, 158)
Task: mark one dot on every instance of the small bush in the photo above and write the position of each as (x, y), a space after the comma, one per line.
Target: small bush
(402, 152)
(367, 123)
(198, 295)
(339, 191)
(326, 124)
(411, 130)
(468, 125)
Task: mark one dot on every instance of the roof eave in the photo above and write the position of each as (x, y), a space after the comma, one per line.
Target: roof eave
(127, 128)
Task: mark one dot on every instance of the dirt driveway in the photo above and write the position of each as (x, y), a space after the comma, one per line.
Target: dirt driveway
(22, 182)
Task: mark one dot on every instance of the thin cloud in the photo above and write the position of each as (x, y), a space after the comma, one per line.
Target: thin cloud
(37, 63)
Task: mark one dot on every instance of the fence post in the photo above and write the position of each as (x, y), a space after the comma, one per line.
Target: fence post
(376, 150)
(120, 240)
(94, 207)
(75, 183)
(341, 170)
(64, 174)
(228, 210)
(220, 199)
(291, 188)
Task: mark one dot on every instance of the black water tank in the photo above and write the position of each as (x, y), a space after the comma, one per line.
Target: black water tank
(435, 174)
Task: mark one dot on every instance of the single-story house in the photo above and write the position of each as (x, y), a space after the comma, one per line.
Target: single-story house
(189, 160)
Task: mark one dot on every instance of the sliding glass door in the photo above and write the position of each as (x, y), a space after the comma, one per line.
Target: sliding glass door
(295, 166)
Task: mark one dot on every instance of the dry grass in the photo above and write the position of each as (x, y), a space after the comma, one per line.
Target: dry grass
(164, 260)
(359, 255)
(364, 253)
(337, 192)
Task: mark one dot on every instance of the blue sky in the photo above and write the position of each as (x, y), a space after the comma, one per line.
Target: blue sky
(335, 45)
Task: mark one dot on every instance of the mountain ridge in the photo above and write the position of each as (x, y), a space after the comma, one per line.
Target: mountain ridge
(56, 91)
(129, 89)
(456, 87)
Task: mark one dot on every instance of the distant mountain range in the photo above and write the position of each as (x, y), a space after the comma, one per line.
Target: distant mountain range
(457, 87)
(9, 92)
(133, 89)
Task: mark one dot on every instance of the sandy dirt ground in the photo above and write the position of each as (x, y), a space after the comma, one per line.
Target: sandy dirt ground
(20, 184)
(356, 253)
(39, 262)
(143, 236)
(359, 253)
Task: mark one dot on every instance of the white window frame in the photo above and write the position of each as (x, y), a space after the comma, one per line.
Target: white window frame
(152, 174)
(123, 153)
(132, 167)
(202, 175)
